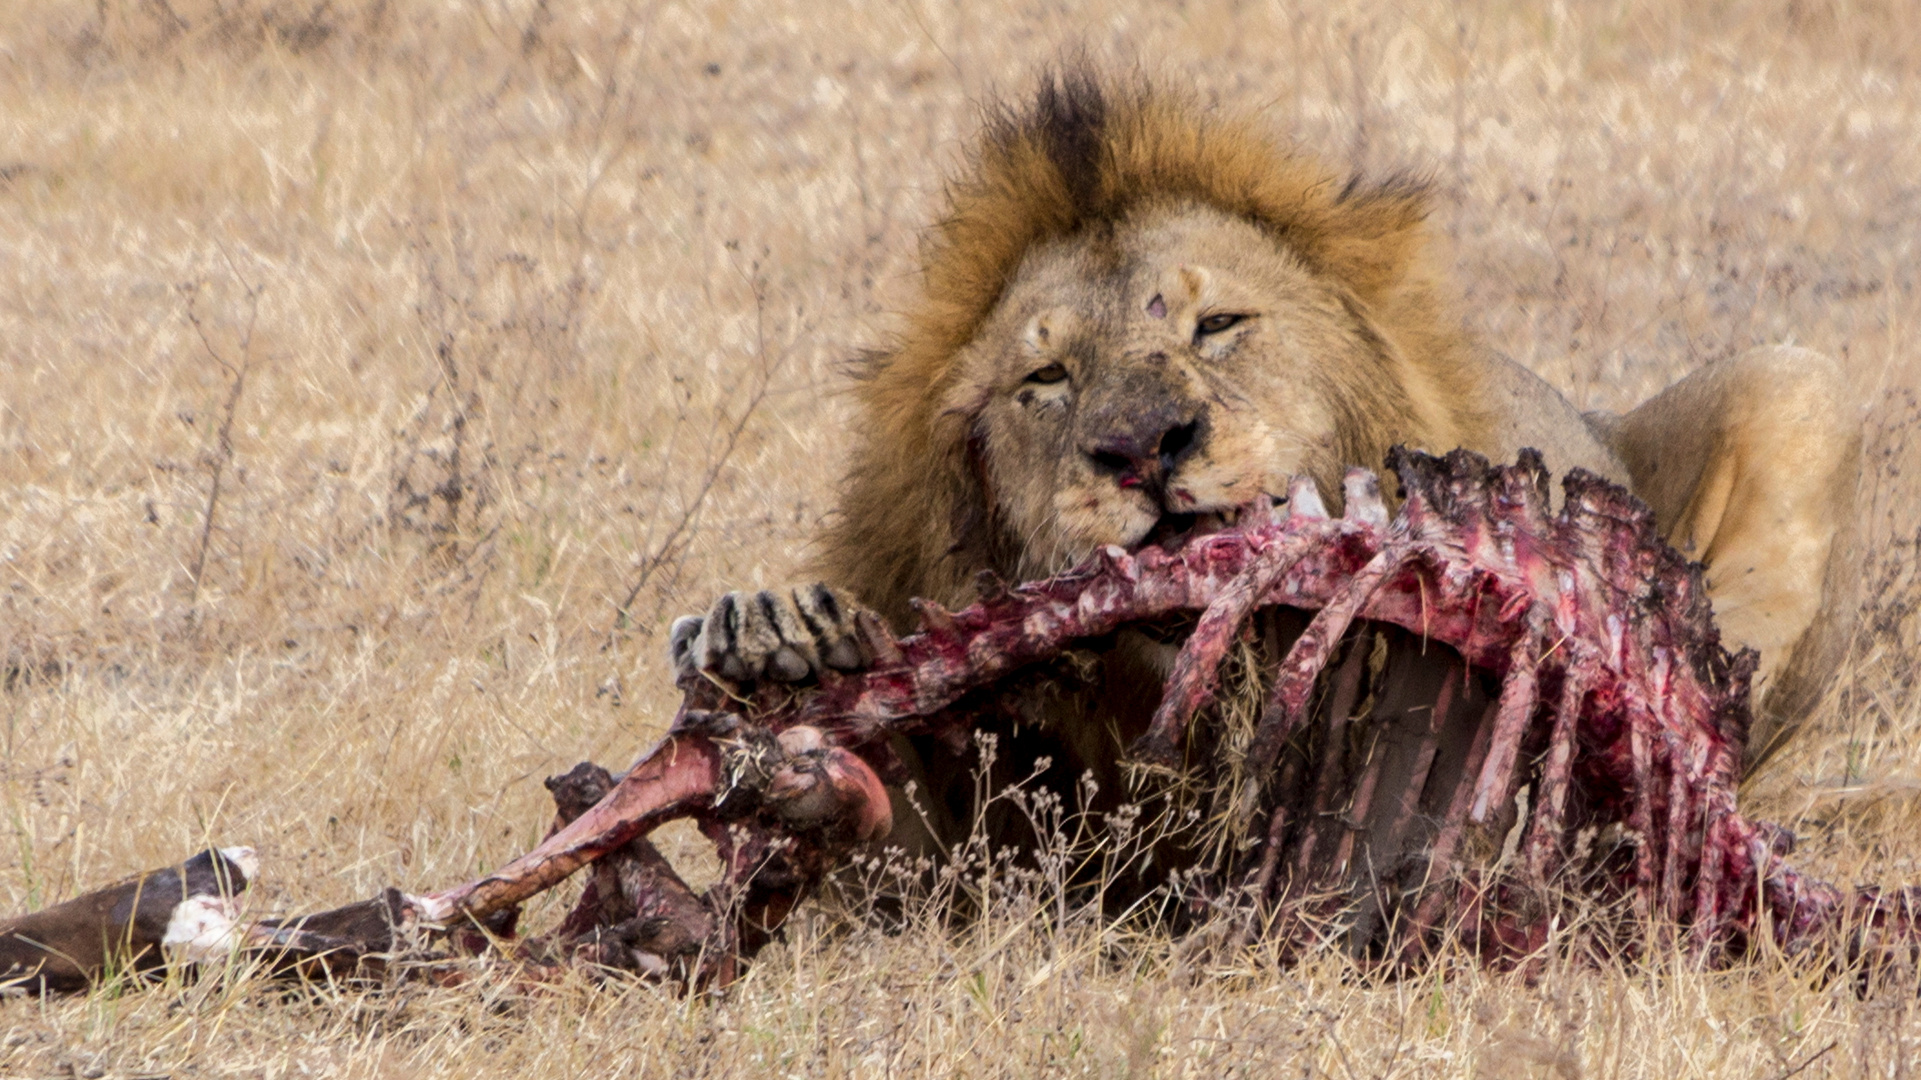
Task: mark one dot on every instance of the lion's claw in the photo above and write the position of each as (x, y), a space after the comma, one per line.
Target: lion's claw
(781, 635)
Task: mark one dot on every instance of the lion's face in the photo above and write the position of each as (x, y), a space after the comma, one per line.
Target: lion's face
(1139, 383)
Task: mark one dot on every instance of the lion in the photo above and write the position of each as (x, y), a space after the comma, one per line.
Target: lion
(1138, 315)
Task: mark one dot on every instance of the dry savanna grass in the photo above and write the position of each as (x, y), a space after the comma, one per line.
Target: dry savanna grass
(377, 379)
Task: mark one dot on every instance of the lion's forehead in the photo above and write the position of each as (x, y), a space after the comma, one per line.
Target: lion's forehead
(1101, 285)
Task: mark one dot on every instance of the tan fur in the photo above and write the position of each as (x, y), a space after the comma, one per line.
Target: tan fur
(1054, 389)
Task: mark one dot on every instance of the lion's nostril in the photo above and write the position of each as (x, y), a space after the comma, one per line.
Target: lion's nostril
(1108, 461)
(1178, 441)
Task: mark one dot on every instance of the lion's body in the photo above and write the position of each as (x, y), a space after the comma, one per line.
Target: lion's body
(1138, 317)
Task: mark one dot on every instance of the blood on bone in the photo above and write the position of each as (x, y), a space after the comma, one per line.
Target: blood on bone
(1191, 685)
(1550, 812)
(671, 780)
(1510, 723)
(1287, 701)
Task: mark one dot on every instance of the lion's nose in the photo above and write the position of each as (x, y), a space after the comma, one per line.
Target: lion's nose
(1145, 453)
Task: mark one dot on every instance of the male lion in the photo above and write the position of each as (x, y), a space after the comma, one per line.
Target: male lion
(1138, 316)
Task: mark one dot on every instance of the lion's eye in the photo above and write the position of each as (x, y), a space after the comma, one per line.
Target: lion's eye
(1052, 373)
(1214, 324)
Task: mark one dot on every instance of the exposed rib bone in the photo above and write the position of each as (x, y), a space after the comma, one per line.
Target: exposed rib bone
(1550, 813)
(1707, 914)
(1323, 819)
(1641, 819)
(1440, 869)
(1510, 724)
(1410, 796)
(1679, 818)
(1262, 879)
(1287, 702)
(1358, 808)
(1196, 670)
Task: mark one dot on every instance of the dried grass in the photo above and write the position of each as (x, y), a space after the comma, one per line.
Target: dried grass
(550, 304)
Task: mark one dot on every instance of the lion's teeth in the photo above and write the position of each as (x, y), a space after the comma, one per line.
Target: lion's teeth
(1304, 500)
(1362, 494)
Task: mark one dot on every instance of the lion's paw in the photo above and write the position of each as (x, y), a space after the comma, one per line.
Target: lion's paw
(786, 635)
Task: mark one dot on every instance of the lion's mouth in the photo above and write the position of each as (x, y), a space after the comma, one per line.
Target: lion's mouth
(1173, 531)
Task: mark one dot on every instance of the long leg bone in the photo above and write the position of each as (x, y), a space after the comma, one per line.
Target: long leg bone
(679, 775)
(709, 769)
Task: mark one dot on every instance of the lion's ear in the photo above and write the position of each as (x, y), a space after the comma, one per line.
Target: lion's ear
(1377, 233)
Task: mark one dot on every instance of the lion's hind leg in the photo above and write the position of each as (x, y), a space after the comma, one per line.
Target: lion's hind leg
(1750, 465)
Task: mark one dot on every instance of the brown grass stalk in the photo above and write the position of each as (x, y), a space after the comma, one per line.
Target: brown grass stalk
(221, 458)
